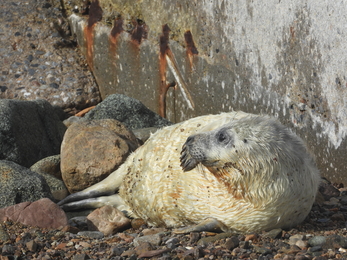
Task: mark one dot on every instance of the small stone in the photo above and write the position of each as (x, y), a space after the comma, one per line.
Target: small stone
(91, 234)
(315, 249)
(337, 217)
(8, 249)
(194, 237)
(293, 239)
(107, 220)
(206, 240)
(335, 241)
(155, 240)
(172, 242)
(137, 223)
(80, 257)
(302, 244)
(317, 241)
(274, 233)
(54, 85)
(262, 250)
(143, 247)
(31, 245)
(152, 231)
(116, 251)
(3, 235)
(232, 243)
(252, 237)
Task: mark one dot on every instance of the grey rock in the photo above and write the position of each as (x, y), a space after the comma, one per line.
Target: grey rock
(262, 250)
(275, 233)
(29, 131)
(232, 243)
(3, 235)
(317, 241)
(335, 241)
(154, 240)
(49, 168)
(19, 184)
(91, 234)
(131, 112)
(144, 133)
(206, 240)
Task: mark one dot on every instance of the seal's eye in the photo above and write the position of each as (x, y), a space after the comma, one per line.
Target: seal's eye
(223, 137)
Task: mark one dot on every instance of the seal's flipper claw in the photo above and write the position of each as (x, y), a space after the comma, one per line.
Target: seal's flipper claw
(209, 224)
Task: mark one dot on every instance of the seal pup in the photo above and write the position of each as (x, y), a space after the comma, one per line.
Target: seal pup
(233, 171)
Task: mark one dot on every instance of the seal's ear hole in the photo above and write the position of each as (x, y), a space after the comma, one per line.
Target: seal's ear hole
(245, 140)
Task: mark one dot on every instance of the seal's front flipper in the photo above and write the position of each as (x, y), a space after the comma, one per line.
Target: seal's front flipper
(209, 224)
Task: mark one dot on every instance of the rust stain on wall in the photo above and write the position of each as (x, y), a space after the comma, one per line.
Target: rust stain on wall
(164, 49)
(115, 32)
(139, 32)
(190, 46)
(95, 15)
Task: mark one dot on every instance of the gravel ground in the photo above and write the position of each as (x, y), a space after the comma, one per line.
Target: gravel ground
(321, 236)
(39, 58)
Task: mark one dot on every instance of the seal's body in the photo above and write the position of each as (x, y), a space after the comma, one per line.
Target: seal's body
(248, 172)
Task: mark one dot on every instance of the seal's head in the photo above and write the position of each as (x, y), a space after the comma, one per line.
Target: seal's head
(250, 149)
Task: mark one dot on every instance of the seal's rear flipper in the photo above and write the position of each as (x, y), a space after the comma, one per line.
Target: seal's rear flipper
(91, 197)
(209, 224)
(113, 200)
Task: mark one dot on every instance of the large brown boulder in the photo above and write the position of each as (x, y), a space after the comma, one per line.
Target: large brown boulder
(91, 150)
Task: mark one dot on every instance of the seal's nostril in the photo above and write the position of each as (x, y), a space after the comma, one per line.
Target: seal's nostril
(190, 139)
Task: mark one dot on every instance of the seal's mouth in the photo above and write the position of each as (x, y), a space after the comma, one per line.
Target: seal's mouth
(187, 161)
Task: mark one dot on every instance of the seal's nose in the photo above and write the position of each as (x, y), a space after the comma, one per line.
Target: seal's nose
(189, 140)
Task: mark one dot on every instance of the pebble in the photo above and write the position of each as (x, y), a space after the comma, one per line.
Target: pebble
(91, 234)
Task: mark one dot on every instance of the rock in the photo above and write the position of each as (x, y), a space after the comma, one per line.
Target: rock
(194, 237)
(152, 231)
(107, 220)
(295, 238)
(205, 240)
(29, 131)
(328, 190)
(317, 241)
(131, 112)
(42, 213)
(172, 242)
(31, 245)
(337, 217)
(232, 243)
(154, 240)
(262, 250)
(275, 233)
(91, 150)
(19, 184)
(144, 133)
(3, 235)
(143, 248)
(49, 168)
(49, 165)
(91, 234)
(72, 119)
(137, 223)
(335, 241)
(79, 222)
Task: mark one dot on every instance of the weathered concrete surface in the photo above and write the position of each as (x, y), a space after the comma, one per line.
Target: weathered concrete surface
(284, 58)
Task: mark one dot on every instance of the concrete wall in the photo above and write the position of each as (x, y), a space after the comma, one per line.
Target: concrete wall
(283, 58)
